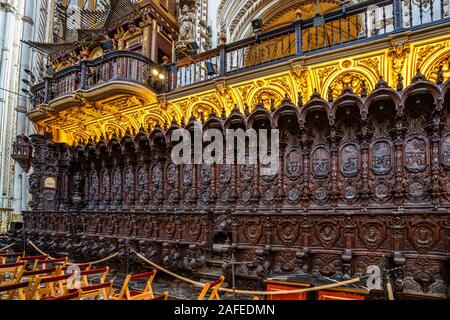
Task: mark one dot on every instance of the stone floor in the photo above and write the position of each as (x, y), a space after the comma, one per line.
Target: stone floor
(178, 290)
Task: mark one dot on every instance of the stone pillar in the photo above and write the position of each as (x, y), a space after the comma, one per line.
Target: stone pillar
(20, 192)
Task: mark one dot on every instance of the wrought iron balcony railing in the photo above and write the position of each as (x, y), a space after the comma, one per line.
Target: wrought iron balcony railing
(360, 23)
(115, 66)
(363, 22)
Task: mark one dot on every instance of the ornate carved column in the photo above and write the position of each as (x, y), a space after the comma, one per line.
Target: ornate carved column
(306, 148)
(434, 135)
(364, 144)
(63, 180)
(399, 132)
(334, 150)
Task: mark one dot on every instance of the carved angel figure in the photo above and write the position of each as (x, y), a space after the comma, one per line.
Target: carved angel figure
(187, 24)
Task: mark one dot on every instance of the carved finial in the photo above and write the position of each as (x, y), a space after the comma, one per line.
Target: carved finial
(235, 109)
(381, 83)
(174, 122)
(212, 114)
(440, 75)
(399, 86)
(286, 98)
(298, 14)
(128, 131)
(224, 113)
(141, 129)
(165, 125)
(102, 137)
(347, 89)
(183, 122)
(363, 88)
(192, 118)
(300, 100)
(315, 94)
(330, 94)
(90, 139)
(260, 105)
(272, 104)
(202, 117)
(114, 134)
(247, 109)
(418, 77)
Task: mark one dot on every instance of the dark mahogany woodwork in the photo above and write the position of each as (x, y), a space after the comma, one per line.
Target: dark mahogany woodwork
(359, 179)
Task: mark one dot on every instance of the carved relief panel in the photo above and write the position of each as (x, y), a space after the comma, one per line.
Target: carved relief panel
(247, 179)
(116, 189)
(93, 190)
(381, 165)
(206, 184)
(349, 167)
(157, 184)
(171, 186)
(416, 161)
(225, 183)
(292, 174)
(188, 184)
(142, 191)
(320, 170)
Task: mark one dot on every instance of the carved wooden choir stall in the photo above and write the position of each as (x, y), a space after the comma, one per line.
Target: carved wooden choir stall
(360, 177)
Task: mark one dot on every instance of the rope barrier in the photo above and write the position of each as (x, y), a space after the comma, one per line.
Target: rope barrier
(70, 263)
(250, 292)
(195, 283)
(8, 246)
(39, 250)
(200, 284)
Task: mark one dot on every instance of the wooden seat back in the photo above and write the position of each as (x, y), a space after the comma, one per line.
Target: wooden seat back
(33, 261)
(47, 286)
(71, 296)
(43, 263)
(215, 286)
(103, 272)
(96, 291)
(4, 256)
(9, 290)
(164, 296)
(35, 276)
(81, 266)
(14, 270)
(147, 293)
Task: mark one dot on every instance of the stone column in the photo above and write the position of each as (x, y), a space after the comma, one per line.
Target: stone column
(20, 192)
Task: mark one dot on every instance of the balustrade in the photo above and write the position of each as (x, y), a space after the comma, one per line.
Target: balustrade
(362, 22)
(118, 65)
(358, 23)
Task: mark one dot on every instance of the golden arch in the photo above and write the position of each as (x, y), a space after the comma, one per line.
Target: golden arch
(111, 128)
(152, 119)
(202, 108)
(265, 94)
(351, 78)
(430, 67)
